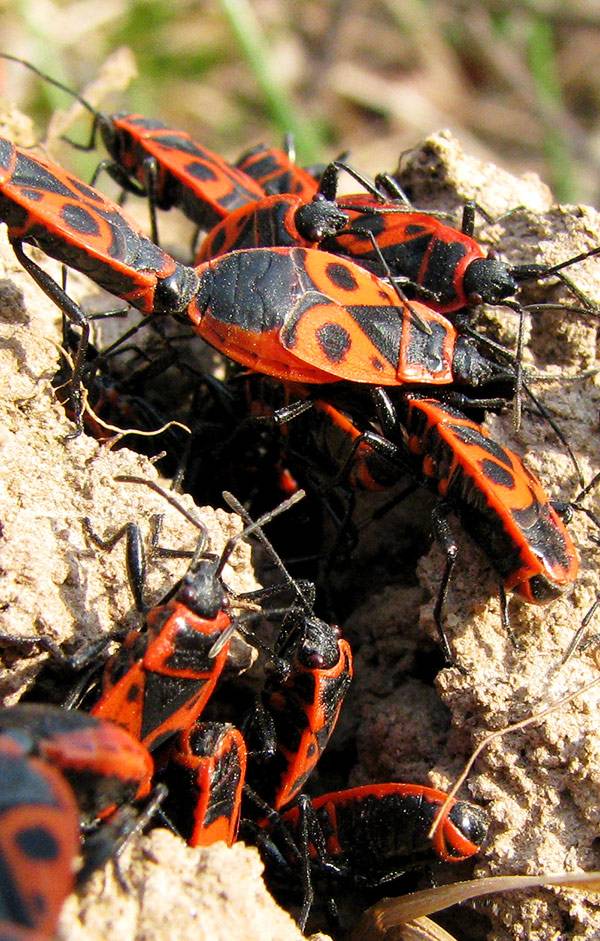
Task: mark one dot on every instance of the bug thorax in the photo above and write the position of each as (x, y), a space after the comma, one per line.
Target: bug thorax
(174, 293)
(201, 591)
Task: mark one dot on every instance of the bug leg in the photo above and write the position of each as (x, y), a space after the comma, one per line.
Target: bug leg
(471, 207)
(135, 555)
(505, 616)
(443, 536)
(119, 175)
(110, 839)
(136, 558)
(386, 410)
(87, 653)
(91, 144)
(468, 219)
(579, 634)
(74, 313)
(150, 171)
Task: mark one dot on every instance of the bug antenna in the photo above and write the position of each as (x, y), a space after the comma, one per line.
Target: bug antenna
(543, 411)
(364, 181)
(274, 556)
(169, 497)
(573, 261)
(255, 526)
(417, 320)
(51, 81)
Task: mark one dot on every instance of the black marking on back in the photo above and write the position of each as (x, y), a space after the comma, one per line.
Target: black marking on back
(427, 350)
(441, 266)
(473, 437)
(148, 124)
(341, 276)
(497, 474)
(164, 696)
(31, 173)
(23, 784)
(38, 843)
(7, 149)
(383, 326)
(182, 145)
(79, 219)
(252, 290)
(545, 537)
(86, 190)
(334, 341)
(199, 170)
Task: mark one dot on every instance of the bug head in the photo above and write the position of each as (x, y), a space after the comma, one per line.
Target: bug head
(489, 280)
(319, 219)
(461, 832)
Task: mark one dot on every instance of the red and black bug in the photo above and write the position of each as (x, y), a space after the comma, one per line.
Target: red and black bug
(55, 765)
(39, 842)
(303, 703)
(205, 776)
(432, 261)
(302, 696)
(307, 316)
(148, 158)
(282, 220)
(368, 830)
(44, 205)
(277, 172)
(160, 680)
(501, 504)
(368, 836)
(503, 507)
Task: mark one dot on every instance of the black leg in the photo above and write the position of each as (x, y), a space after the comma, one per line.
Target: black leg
(445, 539)
(150, 170)
(69, 309)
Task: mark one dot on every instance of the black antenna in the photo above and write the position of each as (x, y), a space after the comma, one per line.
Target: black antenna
(52, 81)
(275, 557)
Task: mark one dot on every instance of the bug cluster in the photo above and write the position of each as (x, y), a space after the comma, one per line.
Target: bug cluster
(348, 321)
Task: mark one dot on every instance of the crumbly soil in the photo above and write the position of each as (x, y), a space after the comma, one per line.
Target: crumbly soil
(540, 785)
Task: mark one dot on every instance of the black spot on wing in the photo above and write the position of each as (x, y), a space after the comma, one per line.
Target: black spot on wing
(251, 290)
(38, 843)
(218, 241)
(86, 190)
(22, 784)
(182, 144)
(334, 341)
(199, 170)
(79, 219)
(472, 436)
(34, 196)
(441, 265)
(149, 124)
(415, 229)
(341, 276)
(497, 474)
(7, 149)
(544, 535)
(133, 692)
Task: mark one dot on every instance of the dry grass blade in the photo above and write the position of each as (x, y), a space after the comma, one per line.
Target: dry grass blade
(381, 920)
